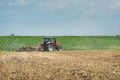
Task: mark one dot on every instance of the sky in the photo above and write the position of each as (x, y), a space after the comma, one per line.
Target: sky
(59, 17)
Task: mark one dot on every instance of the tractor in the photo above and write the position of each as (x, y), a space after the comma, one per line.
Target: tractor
(50, 44)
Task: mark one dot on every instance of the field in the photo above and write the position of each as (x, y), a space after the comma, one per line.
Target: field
(83, 58)
(65, 65)
(13, 43)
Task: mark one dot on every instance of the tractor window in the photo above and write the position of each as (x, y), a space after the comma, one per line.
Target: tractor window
(46, 39)
(52, 40)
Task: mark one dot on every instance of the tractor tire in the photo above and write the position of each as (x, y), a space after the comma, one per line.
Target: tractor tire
(59, 48)
(50, 47)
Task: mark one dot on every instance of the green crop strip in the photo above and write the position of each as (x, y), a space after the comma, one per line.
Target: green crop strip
(10, 43)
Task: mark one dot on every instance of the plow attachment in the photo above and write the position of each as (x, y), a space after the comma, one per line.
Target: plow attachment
(30, 49)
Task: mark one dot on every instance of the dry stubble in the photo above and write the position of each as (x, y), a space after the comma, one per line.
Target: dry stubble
(68, 65)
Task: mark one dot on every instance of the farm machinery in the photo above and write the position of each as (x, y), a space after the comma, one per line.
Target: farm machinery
(49, 44)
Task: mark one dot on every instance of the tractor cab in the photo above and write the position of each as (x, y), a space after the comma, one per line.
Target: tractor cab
(51, 40)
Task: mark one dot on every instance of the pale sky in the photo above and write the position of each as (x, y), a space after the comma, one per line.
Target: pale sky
(60, 17)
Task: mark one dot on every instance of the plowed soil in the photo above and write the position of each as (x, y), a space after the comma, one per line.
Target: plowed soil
(66, 65)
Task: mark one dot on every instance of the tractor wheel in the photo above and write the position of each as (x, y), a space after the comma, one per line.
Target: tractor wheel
(50, 47)
(59, 48)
